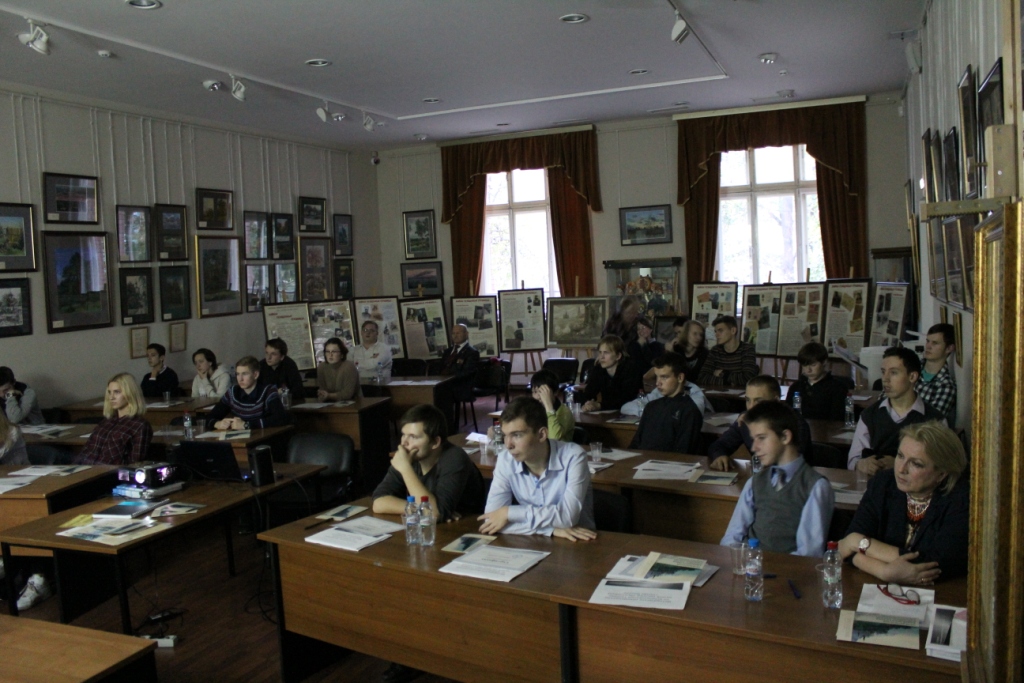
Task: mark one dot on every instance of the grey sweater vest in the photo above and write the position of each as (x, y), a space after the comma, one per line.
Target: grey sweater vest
(777, 516)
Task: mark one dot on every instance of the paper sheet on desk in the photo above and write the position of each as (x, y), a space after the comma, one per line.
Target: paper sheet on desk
(46, 430)
(10, 483)
(165, 404)
(45, 470)
(345, 540)
(342, 512)
(494, 564)
(634, 593)
(399, 383)
(310, 406)
(169, 432)
(722, 420)
(849, 497)
(664, 469)
(474, 437)
(369, 526)
(862, 397)
(625, 420)
(617, 454)
(596, 467)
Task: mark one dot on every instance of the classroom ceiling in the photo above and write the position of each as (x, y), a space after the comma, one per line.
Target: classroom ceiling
(496, 66)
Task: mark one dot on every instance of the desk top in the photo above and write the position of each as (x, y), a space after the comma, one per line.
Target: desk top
(77, 435)
(50, 485)
(358, 405)
(177, 406)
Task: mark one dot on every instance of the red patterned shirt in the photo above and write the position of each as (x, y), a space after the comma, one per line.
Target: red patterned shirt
(117, 441)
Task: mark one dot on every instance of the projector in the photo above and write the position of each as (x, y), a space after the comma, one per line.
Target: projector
(148, 474)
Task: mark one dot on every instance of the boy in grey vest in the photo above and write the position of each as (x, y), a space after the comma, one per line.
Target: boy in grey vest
(787, 506)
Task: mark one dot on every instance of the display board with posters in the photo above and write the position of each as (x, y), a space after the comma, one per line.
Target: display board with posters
(480, 316)
(576, 322)
(424, 327)
(290, 323)
(890, 313)
(522, 320)
(846, 315)
(710, 300)
(330, 319)
(383, 311)
(762, 305)
(802, 316)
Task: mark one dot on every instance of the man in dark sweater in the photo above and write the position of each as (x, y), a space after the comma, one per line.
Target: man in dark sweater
(252, 405)
(160, 379)
(279, 370)
(731, 362)
(672, 422)
(822, 396)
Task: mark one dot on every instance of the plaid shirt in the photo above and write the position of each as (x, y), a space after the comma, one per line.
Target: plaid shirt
(117, 441)
(940, 393)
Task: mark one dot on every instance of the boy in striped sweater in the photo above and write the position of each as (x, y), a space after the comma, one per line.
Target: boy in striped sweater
(251, 406)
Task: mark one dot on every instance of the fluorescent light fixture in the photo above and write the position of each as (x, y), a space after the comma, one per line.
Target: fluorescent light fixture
(680, 29)
(237, 89)
(36, 38)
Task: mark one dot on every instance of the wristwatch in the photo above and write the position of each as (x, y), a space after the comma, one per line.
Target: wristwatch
(863, 546)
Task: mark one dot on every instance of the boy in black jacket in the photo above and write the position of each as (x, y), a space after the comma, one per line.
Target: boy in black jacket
(672, 422)
(822, 396)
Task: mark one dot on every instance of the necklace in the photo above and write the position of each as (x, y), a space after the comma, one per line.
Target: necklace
(915, 513)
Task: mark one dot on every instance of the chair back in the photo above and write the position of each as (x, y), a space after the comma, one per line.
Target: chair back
(408, 367)
(580, 436)
(565, 369)
(826, 455)
(490, 376)
(45, 454)
(334, 451)
(611, 512)
(585, 369)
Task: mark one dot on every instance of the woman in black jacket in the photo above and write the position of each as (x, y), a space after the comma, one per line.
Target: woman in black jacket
(615, 379)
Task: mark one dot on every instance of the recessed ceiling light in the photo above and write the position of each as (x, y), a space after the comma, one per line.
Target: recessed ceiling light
(431, 100)
(679, 104)
(106, 54)
(502, 125)
(144, 4)
(783, 72)
(638, 72)
(787, 94)
(768, 57)
(420, 136)
(318, 62)
(574, 18)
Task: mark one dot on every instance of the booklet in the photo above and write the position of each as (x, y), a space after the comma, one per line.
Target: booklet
(11, 483)
(716, 478)
(371, 526)
(616, 454)
(721, 419)
(669, 568)
(947, 637)
(467, 542)
(494, 564)
(345, 540)
(115, 531)
(129, 509)
(636, 593)
(342, 512)
(174, 509)
(874, 601)
(665, 469)
(878, 629)
(46, 470)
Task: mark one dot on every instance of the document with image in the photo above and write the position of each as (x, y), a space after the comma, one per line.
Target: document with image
(634, 593)
(345, 540)
(669, 568)
(494, 564)
(371, 526)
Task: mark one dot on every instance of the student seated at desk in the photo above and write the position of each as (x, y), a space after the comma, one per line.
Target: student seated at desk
(123, 437)
(540, 486)
(544, 388)
(425, 464)
(278, 370)
(787, 506)
(645, 348)
(691, 344)
(912, 525)
(730, 362)
(160, 379)
(12, 444)
(822, 396)
(18, 400)
(696, 394)
(616, 378)
(672, 422)
(211, 379)
(760, 389)
(370, 353)
(336, 378)
(252, 406)
(937, 386)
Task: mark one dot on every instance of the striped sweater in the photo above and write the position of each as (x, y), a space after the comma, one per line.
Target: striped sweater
(261, 407)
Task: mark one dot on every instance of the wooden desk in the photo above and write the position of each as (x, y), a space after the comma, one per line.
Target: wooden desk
(390, 601)
(432, 389)
(43, 652)
(157, 417)
(733, 398)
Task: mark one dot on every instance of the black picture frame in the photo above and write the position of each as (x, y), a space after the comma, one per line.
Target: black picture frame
(218, 276)
(170, 230)
(938, 167)
(215, 209)
(342, 234)
(134, 242)
(968, 100)
(77, 281)
(315, 278)
(344, 278)
(17, 238)
(990, 111)
(951, 165)
(420, 234)
(930, 192)
(428, 274)
(175, 293)
(286, 283)
(956, 287)
(283, 231)
(259, 286)
(136, 289)
(256, 227)
(640, 225)
(312, 214)
(71, 198)
(15, 307)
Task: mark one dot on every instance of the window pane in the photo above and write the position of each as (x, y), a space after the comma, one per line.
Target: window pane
(810, 170)
(529, 186)
(773, 165)
(776, 238)
(815, 251)
(734, 169)
(497, 188)
(497, 266)
(532, 249)
(734, 262)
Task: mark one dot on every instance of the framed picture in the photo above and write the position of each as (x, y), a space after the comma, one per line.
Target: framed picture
(958, 335)
(177, 334)
(331, 319)
(943, 315)
(315, 268)
(424, 327)
(762, 306)
(422, 279)
(522, 320)
(968, 100)
(214, 209)
(955, 288)
(71, 198)
(929, 190)
(938, 172)
(937, 260)
(967, 224)
(890, 313)
(312, 214)
(802, 318)
(286, 283)
(420, 237)
(170, 227)
(258, 287)
(255, 224)
(138, 340)
(175, 293)
(576, 321)
(15, 307)
(136, 295)
(664, 328)
(17, 238)
(951, 165)
(479, 315)
(847, 310)
(342, 234)
(384, 312)
(284, 236)
(990, 111)
(290, 322)
(344, 279)
(645, 225)
(132, 234)
(77, 282)
(219, 275)
(710, 300)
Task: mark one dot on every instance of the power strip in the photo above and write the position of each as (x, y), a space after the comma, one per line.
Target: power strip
(166, 641)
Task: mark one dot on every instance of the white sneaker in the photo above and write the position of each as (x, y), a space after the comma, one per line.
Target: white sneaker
(35, 591)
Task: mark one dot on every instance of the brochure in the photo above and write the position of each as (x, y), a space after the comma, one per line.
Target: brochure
(947, 637)
(669, 568)
(466, 542)
(878, 629)
(342, 512)
(345, 540)
(494, 564)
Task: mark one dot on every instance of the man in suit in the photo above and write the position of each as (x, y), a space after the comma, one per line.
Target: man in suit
(460, 359)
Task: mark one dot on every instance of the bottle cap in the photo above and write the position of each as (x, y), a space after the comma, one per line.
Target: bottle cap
(753, 542)
(410, 499)
(425, 499)
(833, 545)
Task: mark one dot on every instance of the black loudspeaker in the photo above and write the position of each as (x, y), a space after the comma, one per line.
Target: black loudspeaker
(261, 464)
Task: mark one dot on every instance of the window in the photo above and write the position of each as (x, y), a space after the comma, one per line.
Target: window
(517, 233)
(768, 217)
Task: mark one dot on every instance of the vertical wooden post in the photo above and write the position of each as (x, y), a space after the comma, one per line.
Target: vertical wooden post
(577, 293)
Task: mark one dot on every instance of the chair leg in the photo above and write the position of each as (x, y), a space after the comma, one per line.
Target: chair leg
(472, 409)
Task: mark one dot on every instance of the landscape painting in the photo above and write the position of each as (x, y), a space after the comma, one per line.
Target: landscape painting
(645, 225)
(77, 283)
(420, 241)
(15, 308)
(219, 276)
(422, 279)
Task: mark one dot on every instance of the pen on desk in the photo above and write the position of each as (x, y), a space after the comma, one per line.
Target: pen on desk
(792, 587)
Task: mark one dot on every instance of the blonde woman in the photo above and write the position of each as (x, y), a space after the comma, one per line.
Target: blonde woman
(12, 445)
(123, 437)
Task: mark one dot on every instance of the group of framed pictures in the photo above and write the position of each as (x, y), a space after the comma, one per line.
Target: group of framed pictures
(951, 259)
(426, 278)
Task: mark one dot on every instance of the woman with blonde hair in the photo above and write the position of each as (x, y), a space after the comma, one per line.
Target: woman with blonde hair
(615, 379)
(123, 437)
(12, 445)
(690, 343)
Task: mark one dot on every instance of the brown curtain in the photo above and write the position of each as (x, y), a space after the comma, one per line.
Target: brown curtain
(702, 243)
(468, 239)
(570, 232)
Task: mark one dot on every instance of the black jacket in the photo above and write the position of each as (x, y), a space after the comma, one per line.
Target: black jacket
(615, 390)
(286, 374)
(739, 434)
(166, 380)
(463, 365)
(825, 400)
(670, 424)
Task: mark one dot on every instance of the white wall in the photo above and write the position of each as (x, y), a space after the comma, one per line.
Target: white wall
(887, 172)
(142, 159)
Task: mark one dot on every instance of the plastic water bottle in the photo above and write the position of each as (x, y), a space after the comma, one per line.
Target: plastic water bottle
(832, 593)
(411, 517)
(186, 421)
(753, 588)
(380, 373)
(499, 438)
(286, 399)
(755, 464)
(797, 402)
(428, 523)
(851, 419)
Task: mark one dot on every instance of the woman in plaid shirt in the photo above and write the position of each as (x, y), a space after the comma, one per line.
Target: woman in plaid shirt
(123, 437)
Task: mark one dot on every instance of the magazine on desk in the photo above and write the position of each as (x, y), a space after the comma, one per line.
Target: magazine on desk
(344, 539)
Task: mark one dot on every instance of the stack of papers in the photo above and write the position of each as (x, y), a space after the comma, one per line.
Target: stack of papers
(494, 564)
(655, 580)
(46, 430)
(115, 531)
(874, 601)
(665, 469)
(342, 512)
(947, 637)
(371, 526)
(348, 539)
(47, 470)
(175, 509)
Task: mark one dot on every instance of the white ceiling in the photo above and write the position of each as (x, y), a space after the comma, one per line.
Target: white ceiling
(489, 61)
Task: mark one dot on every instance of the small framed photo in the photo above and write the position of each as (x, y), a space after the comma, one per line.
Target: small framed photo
(344, 278)
(968, 100)
(342, 234)
(990, 111)
(175, 293)
(220, 286)
(77, 281)
(951, 165)
(15, 307)
(257, 235)
(177, 334)
(17, 238)
(258, 287)
(214, 209)
(170, 228)
(71, 198)
(645, 225)
(136, 295)
(315, 268)
(420, 236)
(132, 234)
(138, 340)
(286, 278)
(422, 279)
(312, 214)
(284, 236)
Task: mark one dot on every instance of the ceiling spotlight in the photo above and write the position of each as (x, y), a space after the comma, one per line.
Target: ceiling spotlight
(420, 136)
(237, 89)
(574, 18)
(638, 72)
(368, 123)
(36, 38)
(144, 4)
(680, 29)
(768, 58)
(786, 94)
(338, 116)
(106, 54)
(317, 62)
(431, 100)
(213, 86)
(326, 114)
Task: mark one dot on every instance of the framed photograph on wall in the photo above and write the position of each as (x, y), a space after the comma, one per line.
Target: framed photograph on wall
(314, 268)
(175, 293)
(258, 287)
(645, 225)
(17, 238)
(937, 260)
(136, 295)
(938, 170)
(955, 287)
(342, 234)
(177, 336)
(15, 307)
(479, 315)
(344, 278)
(312, 214)
(215, 209)
(576, 321)
(138, 340)
(967, 225)
(522, 320)
(71, 198)
(256, 226)
(384, 312)
(219, 275)
(990, 111)
(951, 165)
(286, 283)
(77, 281)
(420, 235)
(422, 279)
(284, 236)
(968, 101)
(170, 227)
(424, 327)
(929, 191)
(133, 234)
